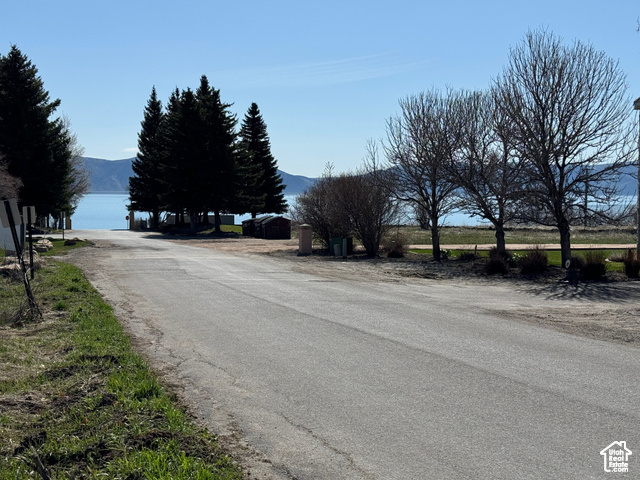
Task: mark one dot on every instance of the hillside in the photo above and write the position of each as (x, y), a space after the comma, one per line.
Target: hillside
(113, 176)
(109, 175)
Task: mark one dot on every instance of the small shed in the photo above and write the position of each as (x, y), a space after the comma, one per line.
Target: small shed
(249, 226)
(270, 227)
(276, 228)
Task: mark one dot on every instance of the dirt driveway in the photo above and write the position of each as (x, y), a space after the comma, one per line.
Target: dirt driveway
(608, 310)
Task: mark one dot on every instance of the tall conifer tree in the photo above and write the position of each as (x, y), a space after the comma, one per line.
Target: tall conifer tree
(186, 186)
(145, 186)
(169, 163)
(268, 187)
(36, 150)
(221, 151)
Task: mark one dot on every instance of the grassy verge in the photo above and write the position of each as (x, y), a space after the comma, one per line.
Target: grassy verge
(532, 236)
(59, 247)
(237, 229)
(77, 402)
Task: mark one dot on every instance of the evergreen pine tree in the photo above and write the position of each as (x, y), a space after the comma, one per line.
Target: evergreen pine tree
(36, 150)
(269, 187)
(186, 185)
(220, 157)
(250, 195)
(145, 186)
(169, 163)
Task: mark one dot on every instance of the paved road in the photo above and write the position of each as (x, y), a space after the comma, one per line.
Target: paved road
(331, 379)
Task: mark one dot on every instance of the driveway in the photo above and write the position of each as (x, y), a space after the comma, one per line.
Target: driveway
(319, 377)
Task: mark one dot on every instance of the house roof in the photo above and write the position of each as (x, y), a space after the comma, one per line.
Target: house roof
(264, 219)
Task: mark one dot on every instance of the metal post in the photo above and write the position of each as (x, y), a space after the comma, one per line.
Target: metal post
(636, 106)
(30, 227)
(33, 305)
(638, 195)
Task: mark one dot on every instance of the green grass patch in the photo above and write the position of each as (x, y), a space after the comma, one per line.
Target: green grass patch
(59, 247)
(231, 229)
(526, 235)
(237, 229)
(77, 398)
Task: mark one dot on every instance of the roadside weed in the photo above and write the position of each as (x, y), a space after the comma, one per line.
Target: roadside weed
(76, 397)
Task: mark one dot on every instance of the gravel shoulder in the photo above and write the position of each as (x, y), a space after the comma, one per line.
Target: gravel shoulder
(607, 310)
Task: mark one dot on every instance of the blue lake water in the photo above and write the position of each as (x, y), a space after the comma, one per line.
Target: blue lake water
(108, 211)
(101, 211)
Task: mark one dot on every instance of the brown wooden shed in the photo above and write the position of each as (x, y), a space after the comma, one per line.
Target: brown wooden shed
(275, 228)
(271, 227)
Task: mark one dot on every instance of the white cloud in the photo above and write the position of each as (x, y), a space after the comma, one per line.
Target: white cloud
(131, 150)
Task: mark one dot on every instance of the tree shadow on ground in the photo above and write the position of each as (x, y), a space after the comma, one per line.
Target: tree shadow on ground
(591, 291)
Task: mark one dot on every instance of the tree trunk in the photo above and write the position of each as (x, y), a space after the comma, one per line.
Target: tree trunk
(565, 241)
(193, 222)
(501, 245)
(435, 241)
(218, 221)
(155, 218)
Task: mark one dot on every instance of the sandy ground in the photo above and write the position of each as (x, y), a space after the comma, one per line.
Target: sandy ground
(607, 310)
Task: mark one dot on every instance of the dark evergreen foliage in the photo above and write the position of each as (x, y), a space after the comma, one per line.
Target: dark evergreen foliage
(191, 161)
(185, 179)
(145, 186)
(168, 164)
(218, 168)
(265, 193)
(36, 150)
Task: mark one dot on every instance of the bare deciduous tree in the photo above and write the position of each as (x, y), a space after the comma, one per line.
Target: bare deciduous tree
(367, 198)
(80, 175)
(419, 147)
(317, 207)
(485, 169)
(358, 204)
(570, 119)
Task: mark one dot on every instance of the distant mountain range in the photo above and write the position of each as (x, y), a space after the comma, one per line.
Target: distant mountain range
(113, 176)
(628, 184)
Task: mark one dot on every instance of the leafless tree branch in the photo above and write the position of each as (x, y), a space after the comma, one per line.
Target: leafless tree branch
(571, 124)
(420, 144)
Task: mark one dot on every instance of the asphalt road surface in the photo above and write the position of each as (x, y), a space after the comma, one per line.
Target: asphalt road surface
(319, 378)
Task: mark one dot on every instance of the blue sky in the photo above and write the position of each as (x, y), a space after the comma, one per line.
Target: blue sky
(325, 75)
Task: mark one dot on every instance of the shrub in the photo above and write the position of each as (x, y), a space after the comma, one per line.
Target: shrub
(618, 257)
(594, 267)
(631, 263)
(395, 245)
(533, 262)
(515, 259)
(467, 256)
(577, 262)
(497, 263)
